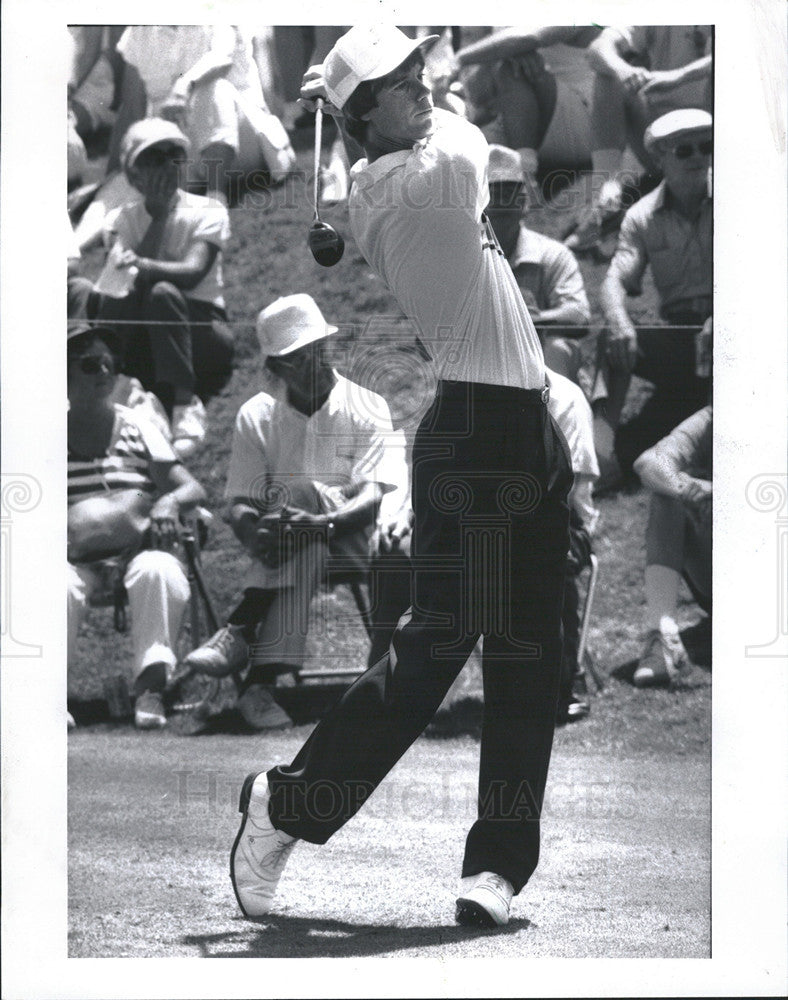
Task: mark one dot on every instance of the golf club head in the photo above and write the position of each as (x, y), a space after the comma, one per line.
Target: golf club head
(326, 244)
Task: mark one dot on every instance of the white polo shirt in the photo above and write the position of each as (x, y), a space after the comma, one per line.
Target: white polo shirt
(347, 443)
(416, 216)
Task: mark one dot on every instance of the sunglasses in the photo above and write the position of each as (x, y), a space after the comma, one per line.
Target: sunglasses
(158, 157)
(685, 149)
(91, 364)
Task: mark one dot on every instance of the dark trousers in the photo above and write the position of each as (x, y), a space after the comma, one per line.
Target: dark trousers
(491, 476)
(169, 340)
(666, 358)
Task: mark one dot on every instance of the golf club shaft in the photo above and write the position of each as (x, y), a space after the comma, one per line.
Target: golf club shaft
(318, 145)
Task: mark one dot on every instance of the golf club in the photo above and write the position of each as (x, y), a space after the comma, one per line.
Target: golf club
(326, 244)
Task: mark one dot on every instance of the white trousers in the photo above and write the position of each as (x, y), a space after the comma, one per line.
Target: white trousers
(158, 594)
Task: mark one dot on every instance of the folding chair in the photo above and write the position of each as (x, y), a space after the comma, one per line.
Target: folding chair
(585, 658)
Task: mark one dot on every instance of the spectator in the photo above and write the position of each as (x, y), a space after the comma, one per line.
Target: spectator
(571, 411)
(536, 85)
(677, 470)
(670, 232)
(546, 272)
(205, 79)
(166, 253)
(312, 457)
(642, 73)
(126, 491)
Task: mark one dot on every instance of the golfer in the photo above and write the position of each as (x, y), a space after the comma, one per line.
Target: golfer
(490, 482)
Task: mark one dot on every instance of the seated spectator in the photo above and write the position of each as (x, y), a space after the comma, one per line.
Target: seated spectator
(677, 470)
(312, 457)
(670, 232)
(531, 90)
(642, 72)
(165, 263)
(126, 491)
(205, 79)
(547, 273)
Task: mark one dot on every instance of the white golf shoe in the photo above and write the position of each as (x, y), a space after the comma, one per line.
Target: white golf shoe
(260, 851)
(484, 900)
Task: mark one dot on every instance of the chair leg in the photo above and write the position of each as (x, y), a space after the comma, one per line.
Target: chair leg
(586, 621)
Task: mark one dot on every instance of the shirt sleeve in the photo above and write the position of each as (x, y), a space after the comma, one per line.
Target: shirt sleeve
(158, 447)
(451, 168)
(213, 225)
(247, 475)
(565, 283)
(688, 447)
(631, 257)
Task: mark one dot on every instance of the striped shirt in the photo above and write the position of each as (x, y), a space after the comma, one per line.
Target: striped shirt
(125, 465)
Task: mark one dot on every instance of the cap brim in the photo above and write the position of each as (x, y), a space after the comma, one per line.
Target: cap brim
(131, 160)
(406, 53)
(651, 142)
(303, 343)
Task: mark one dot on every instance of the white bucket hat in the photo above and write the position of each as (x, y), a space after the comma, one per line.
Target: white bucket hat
(290, 323)
(366, 52)
(504, 164)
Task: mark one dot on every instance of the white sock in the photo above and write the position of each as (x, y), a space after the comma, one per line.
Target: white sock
(662, 596)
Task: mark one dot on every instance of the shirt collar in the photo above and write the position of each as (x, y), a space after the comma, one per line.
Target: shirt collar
(525, 249)
(365, 173)
(664, 201)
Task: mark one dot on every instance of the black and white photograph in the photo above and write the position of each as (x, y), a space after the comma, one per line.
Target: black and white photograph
(394, 500)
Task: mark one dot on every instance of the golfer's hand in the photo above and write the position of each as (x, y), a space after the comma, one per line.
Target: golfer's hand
(313, 87)
(622, 348)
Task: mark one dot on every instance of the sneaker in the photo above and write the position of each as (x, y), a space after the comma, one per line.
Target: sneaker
(149, 711)
(484, 901)
(260, 851)
(662, 661)
(260, 711)
(223, 654)
(189, 426)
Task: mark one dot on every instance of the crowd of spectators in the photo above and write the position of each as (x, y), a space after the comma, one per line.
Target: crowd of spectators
(317, 472)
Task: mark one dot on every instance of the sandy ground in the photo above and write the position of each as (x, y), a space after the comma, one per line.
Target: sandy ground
(625, 868)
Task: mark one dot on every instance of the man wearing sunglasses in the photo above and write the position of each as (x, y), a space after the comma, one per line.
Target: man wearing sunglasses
(670, 232)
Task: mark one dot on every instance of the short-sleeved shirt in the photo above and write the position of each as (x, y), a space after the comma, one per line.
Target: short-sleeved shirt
(677, 249)
(671, 47)
(125, 465)
(416, 215)
(548, 274)
(572, 412)
(688, 447)
(193, 219)
(346, 444)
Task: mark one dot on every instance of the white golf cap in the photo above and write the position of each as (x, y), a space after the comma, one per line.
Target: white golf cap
(366, 52)
(674, 123)
(290, 323)
(504, 164)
